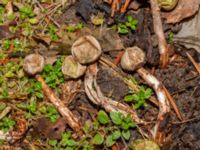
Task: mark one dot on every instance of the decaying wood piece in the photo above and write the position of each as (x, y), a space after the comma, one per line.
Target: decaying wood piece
(164, 108)
(157, 23)
(64, 111)
(95, 95)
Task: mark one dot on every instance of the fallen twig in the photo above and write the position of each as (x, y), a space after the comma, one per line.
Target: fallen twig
(119, 56)
(196, 65)
(64, 111)
(171, 100)
(157, 23)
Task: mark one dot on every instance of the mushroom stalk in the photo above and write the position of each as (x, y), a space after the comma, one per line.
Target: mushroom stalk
(164, 107)
(96, 96)
(64, 111)
(157, 23)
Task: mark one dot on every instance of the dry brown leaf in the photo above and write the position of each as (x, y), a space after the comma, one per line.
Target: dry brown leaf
(184, 9)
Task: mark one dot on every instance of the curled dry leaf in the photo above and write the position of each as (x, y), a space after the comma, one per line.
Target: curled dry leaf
(184, 9)
(86, 49)
(5, 33)
(43, 127)
(72, 69)
(189, 35)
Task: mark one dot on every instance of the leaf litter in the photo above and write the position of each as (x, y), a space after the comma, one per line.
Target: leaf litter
(107, 107)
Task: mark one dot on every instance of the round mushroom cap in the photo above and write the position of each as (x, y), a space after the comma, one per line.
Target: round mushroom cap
(132, 59)
(86, 49)
(33, 64)
(72, 69)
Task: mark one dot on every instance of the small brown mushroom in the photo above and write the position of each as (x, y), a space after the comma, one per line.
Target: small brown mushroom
(132, 59)
(72, 69)
(86, 49)
(33, 64)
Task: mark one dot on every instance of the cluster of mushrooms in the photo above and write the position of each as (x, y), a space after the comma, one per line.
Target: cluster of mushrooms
(85, 52)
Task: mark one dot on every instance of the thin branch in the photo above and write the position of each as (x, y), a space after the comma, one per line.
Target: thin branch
(64, 111)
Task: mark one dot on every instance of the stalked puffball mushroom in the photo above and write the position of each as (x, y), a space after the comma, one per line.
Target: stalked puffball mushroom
(72, 69)
(86, 49)
(33, 64)
(132, 59)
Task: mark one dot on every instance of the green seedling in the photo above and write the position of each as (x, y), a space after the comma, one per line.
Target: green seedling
(35, 88)
(140, 97)
(50, 112)
(121, 129)
(52, 31)
(6, 124)
(170, 37)
(53, 74)
(26, 12)
(6, 44)
(106, 130)
(74, 27)
(122, 28)
(129, 24)
(30, 107)
(2, 13)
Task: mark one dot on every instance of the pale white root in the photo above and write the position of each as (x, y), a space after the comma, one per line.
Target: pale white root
(95, 95)
(71, 120)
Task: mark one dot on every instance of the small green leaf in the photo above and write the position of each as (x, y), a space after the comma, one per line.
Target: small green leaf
(39, 95)
(69, 148)
(98, 139)
(103, 117)
(116, 117)
(52, 142)
(71, 142)
(126, 134)
(128, 98)
(130, 18)
(134, 22)
(109, 141)
(116, 135)
(125, 126)
(122, 29)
